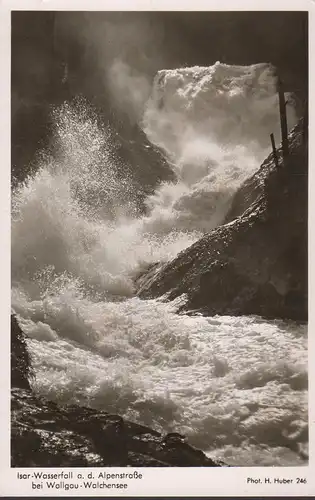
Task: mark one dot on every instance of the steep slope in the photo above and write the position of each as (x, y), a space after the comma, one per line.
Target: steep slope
(257, 262)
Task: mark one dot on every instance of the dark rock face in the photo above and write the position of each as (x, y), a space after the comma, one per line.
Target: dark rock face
(45, 435)
(20, 359)
(257, 262)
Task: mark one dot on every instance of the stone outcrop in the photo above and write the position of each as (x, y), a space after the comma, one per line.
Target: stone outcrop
(47, 435)
(256, 263)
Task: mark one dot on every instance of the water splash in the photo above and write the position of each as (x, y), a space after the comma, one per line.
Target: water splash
(78, 240)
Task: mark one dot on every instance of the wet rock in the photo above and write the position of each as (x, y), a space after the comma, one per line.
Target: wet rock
(20, 359)
(47, 435)
(256, 263)
(175, 437)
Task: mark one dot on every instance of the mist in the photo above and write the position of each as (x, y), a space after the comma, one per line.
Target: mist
(124, 50)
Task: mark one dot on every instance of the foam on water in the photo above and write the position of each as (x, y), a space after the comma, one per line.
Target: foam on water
(230, 384)
(235, 386)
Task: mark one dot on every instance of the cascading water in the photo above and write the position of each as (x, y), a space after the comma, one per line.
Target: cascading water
(235, 386)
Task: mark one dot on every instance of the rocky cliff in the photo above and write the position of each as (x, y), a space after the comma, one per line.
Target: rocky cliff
(46, 435)
(256, 263)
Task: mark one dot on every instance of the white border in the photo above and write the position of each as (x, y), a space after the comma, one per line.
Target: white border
(156, 481)
(162, 5)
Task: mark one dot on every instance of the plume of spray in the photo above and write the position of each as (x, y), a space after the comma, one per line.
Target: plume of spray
(75, 221)
(129, 88)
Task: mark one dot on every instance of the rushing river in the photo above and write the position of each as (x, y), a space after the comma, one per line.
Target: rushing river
(237, 387)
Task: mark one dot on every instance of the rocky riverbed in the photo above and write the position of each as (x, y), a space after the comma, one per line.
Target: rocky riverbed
(44, 434)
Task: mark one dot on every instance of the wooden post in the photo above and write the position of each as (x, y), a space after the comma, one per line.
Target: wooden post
(283, 122)
(275, 156)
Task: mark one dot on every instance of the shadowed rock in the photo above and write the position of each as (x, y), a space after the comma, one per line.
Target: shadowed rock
(256, 263)
(47, 435)
(20, 359)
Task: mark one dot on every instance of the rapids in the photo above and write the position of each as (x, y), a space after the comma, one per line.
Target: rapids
(237, 387)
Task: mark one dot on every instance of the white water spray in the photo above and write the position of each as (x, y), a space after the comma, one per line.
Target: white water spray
(78, 241)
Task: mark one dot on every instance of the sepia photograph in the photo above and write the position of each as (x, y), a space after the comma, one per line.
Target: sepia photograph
(159, 240)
